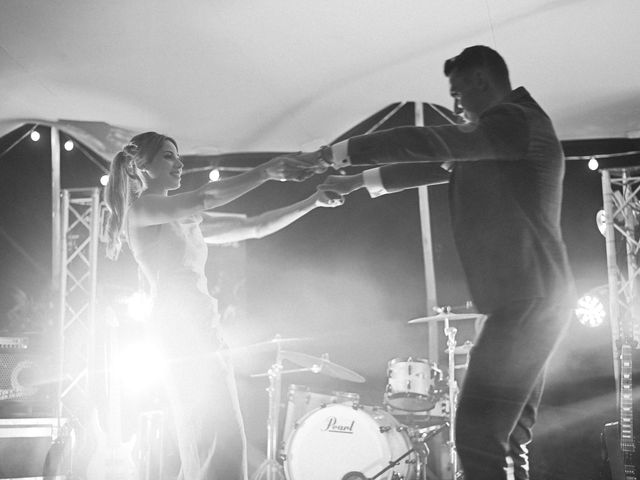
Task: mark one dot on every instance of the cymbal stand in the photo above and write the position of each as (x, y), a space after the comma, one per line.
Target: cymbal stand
(270, 469)
(451, 332)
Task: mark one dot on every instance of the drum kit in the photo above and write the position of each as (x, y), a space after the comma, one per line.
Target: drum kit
(331, 436)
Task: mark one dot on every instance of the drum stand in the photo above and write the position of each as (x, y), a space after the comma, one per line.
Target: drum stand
(271, 469)
(451, 332)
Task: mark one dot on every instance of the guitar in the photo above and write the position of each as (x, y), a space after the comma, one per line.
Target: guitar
(113, 458)
(618, 438)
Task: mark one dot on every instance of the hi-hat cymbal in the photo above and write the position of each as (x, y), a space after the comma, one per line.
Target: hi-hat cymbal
(448, 316)
(322, 365)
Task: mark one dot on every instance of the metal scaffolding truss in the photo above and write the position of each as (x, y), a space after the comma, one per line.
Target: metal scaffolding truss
(621, 195)
(80, 216)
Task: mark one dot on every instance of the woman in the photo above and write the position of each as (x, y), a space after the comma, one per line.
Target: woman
(165, 236)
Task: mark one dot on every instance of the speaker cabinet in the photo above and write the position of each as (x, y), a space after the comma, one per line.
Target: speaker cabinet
(27, 379)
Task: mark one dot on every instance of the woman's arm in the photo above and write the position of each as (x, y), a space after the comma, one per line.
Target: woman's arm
(154, 209)
(223, 228)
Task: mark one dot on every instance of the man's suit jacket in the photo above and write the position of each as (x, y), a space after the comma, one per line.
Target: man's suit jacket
(505, 195)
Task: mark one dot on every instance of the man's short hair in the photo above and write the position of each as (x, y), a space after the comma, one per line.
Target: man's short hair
(478, 56)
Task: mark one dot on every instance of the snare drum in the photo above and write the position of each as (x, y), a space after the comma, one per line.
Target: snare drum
(332, 441)
(410, 385)
(301, 400)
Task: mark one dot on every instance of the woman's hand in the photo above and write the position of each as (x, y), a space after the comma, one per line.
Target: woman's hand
(295, 167)
(342, 184)
(328, 199)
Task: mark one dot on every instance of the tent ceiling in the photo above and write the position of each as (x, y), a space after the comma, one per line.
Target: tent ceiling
(277, 75)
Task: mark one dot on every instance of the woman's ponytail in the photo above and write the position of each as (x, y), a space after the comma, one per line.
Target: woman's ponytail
(122, 186)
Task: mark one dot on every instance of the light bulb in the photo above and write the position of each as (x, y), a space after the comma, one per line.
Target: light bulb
(214, 175)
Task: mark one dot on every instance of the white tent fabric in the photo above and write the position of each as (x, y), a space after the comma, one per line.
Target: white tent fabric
(223, 76)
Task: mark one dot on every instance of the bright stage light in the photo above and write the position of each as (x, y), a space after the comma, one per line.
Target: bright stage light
(35, 135)
(601, 221)
(214, 175)
(590, 310)
(140, 365)
(139, 306)
(68, 145)
(104, 180)
(593, 164)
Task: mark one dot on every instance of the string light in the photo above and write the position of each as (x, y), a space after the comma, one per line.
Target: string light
(593, 164)
(68, 145)
(104, 180)
(35, 135)
(214, 175)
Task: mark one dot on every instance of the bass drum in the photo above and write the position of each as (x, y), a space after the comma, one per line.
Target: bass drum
(330, 442)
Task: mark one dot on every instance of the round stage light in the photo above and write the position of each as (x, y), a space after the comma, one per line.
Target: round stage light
(590, 310)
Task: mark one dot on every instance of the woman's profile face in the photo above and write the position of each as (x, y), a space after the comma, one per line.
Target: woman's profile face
(164, 170)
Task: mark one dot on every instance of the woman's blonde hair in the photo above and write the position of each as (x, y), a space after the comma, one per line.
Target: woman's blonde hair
(125, 184)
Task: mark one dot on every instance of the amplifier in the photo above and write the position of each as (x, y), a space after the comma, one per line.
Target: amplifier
(27, 378)
(14, 342)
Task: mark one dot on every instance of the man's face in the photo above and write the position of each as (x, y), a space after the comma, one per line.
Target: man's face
(467, 95)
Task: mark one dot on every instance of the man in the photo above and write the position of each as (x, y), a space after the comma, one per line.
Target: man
(506, 170)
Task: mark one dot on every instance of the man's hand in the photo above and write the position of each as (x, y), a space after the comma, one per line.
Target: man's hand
(342, 184)
(328, 199)
(295, 166)
(289, 168)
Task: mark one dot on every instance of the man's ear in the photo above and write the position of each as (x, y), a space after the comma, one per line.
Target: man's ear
(480, 79)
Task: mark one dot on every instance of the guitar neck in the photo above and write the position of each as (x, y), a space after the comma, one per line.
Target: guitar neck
(626, 400)
(627, 440)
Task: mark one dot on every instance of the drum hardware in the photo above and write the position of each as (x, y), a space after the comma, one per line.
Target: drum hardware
(359, 441)
(446, 313)
(394, 463)
(463, 349)
(322, 364)
(270, 469)
(446, 316)
(413, 385)
(277, 340)
(419, 447)
(301, 400)
(450, 332)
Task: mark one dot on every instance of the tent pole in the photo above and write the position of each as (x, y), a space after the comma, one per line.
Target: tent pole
(55, 209)
(427, 252)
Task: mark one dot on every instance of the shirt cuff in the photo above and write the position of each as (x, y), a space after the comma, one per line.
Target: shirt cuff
(373, 182)
(340, 152)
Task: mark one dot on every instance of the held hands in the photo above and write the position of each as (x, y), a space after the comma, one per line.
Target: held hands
(295, 167)
(342, 184)
(328, 199)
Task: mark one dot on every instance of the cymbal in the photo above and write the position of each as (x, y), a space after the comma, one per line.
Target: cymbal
(277, 340)
(449, 316)
(322, 365)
